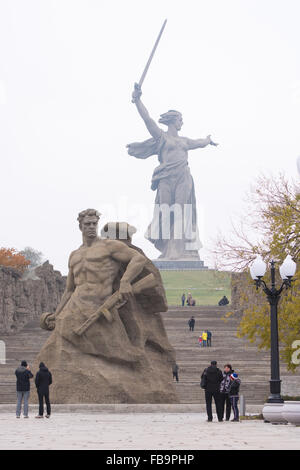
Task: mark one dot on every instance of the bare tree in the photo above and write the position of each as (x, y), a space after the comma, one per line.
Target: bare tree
(34, 256)
(269, 226)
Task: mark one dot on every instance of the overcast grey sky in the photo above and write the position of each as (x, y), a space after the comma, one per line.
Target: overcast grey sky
(67, 70)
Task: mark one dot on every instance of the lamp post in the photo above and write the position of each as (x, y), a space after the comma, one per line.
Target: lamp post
(287, 271)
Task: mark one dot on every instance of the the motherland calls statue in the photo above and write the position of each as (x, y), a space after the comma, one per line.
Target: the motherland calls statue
(109, 344)
(174, 234)
(173, 230)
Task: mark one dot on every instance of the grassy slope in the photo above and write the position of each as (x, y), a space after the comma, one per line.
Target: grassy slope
(207, 286)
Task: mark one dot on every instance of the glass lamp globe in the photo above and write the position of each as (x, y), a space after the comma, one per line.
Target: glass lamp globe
(288, 268)
(258, 268)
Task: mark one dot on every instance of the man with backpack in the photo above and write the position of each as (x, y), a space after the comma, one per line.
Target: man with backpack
(210, 382)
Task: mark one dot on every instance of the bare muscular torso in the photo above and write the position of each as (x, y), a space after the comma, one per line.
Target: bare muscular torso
(93, 271)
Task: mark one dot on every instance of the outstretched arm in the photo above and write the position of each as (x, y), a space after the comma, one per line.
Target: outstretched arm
(200, 143)
(151, 125)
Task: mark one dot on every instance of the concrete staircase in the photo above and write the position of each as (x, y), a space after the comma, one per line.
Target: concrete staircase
(24, 345)
(253, 366)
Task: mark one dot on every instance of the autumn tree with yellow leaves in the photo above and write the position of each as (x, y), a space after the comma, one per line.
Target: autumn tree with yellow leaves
(270, 227)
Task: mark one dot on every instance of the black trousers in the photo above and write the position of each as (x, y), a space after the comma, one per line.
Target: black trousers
(234, 403)
(209, 342)
(41, 402)
(208, 399)
(224, 399)
(175, 376)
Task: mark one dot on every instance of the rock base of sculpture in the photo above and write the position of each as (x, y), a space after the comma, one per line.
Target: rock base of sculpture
(179, 265)
(84, 378)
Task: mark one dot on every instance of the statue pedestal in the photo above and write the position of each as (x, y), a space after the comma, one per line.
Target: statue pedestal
(179, 265)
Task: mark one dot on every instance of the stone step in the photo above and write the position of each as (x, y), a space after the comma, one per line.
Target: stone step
(252, 365)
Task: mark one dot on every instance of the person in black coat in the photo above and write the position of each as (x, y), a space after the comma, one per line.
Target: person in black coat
(175, 372)
(209, 336)
(191, 323)
(224, 301)
(212, 377)
(42, 381)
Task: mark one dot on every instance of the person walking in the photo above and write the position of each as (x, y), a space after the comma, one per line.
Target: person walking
(175, 372)
(191, 323)
(23, 375)
(43, 380)
(234, 395)
(210, 381)
(224, 391)
(209, 336)
(183, 300)
(204, 338)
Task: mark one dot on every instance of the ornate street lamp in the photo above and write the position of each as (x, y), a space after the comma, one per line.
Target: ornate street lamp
(287, 271)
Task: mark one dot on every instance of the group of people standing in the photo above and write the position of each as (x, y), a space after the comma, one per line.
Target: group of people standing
(224, 388)
(205, 338)
(189, 301)
(43, 380)
(192, 302)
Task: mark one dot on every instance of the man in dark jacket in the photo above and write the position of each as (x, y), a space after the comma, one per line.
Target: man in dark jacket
(191, 323)
(23, 375)
(175, 372)
(42, 381)
(213, 377)
(224, 391)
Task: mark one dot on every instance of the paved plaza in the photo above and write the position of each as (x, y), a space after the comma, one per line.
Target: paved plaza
(119, 431)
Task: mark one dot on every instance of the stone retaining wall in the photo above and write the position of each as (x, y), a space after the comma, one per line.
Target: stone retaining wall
(25, 297)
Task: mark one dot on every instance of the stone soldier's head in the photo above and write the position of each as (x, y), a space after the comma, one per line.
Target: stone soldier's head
(173, 118)
(88, 223)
